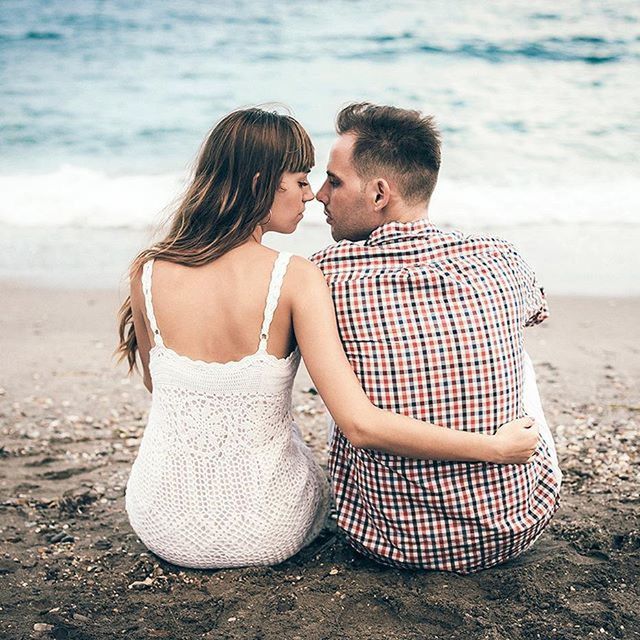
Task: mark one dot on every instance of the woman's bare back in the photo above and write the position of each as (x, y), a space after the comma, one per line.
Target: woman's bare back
(214, 313)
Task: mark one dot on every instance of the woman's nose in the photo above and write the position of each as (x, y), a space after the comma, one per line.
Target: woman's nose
(308, 195)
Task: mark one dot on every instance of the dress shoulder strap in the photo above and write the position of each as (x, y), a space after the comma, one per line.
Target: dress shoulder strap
(147, 271)
(277, 276)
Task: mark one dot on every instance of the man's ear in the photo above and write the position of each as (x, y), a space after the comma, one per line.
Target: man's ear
(381, 193)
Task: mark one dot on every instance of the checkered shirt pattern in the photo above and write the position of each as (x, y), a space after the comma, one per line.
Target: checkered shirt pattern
(432, 323)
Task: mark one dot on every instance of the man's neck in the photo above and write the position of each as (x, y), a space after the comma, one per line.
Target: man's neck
(406, 214)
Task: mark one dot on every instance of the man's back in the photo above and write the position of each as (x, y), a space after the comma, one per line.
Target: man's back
(432, 323)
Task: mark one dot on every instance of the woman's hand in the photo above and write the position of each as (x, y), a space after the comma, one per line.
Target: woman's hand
(516, 441)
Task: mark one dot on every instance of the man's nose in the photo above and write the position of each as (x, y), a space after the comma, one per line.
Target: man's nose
(321, 194)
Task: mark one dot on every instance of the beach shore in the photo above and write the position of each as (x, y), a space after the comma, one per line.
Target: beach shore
(71, 567)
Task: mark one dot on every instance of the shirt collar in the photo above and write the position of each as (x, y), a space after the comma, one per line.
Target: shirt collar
(398, 231)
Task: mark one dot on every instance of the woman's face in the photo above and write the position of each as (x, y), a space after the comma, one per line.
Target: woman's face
(288, 206)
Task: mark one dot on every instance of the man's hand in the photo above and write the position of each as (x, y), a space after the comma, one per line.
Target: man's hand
(515, 442)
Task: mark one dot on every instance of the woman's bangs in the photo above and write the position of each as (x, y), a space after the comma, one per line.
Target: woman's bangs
(300, 157)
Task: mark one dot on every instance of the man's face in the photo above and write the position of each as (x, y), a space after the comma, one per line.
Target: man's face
(343, 197)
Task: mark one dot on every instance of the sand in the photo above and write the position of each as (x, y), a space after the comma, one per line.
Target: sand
(71, 567)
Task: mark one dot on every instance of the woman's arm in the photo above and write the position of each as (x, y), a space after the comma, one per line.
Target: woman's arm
(140, 326)
(362, 423)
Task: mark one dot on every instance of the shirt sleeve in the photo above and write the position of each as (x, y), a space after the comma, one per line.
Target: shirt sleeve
(537, 308)
(535, 305)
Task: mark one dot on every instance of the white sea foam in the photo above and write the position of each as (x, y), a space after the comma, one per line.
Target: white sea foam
(471, 205)
(82, 198)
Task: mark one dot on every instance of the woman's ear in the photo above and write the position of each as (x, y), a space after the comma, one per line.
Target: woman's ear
(254, 183)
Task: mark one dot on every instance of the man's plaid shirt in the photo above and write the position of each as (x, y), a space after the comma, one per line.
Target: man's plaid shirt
(432, 323)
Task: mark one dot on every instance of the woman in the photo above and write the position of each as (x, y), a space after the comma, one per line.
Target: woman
(219, 321)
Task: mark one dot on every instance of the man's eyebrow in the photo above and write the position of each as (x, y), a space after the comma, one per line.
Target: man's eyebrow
(332, 175)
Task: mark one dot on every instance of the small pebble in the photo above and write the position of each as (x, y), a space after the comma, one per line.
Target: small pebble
(42, 627)
(8, 566)
(141, 584)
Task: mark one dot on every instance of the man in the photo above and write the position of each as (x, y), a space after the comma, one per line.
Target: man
(432, 323)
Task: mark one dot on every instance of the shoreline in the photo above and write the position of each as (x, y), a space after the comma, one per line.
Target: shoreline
(570, 259)
(71, 423)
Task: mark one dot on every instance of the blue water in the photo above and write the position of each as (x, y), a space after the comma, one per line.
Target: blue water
(104, 104)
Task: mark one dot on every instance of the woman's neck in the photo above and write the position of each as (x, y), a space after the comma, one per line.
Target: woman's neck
(257, 234)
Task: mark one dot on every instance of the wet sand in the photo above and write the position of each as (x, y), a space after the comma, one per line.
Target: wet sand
(71, 567)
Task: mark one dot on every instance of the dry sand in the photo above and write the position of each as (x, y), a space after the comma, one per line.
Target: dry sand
(71, 567)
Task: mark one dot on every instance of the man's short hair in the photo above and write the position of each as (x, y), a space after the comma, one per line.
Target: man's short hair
(403, 143)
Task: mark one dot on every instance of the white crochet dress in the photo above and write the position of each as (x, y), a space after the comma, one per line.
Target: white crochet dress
(223, 477)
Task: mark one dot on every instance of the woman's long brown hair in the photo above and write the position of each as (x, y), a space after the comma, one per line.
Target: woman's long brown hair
(237, 174)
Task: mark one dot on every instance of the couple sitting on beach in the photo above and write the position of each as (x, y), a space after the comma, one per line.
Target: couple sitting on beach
(415, 346)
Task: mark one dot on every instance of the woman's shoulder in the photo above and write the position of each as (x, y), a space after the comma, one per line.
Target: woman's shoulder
(303, 269)
(303, 279)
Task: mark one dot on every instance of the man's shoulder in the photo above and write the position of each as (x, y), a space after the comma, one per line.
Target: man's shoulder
(496, 245)
(481, 242)
(336, 254)
(465, 245)
(495, 253)
(451, 244)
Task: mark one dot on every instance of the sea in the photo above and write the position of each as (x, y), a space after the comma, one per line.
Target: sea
(104, 104)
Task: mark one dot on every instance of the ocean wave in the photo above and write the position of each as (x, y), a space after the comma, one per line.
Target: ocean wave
(576, 49)
(82, 198)
(30, 35)
(581, 48)
(545, 16)
(471, 204)
(43, 35)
